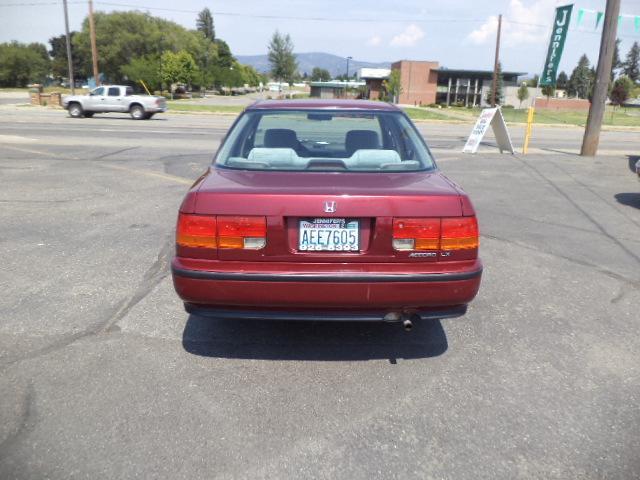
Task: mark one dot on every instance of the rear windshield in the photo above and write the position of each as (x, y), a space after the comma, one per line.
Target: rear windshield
(321, 140)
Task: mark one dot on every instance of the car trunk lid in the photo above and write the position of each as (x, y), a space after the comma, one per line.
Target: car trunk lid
(370, 200)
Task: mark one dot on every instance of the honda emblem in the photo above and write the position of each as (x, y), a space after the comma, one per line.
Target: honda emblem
(330, 207)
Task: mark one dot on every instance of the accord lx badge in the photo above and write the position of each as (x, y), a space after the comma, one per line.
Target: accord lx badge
(330, 207)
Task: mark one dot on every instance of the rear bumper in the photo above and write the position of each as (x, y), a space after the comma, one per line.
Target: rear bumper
(361, 291)
(321, 315)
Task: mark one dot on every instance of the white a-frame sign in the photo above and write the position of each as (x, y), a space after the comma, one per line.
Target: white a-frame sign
(493, 117)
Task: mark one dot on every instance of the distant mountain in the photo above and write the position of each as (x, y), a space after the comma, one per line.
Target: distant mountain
(306, 61)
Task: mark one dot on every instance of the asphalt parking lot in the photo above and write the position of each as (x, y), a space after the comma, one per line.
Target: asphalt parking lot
(103, 374)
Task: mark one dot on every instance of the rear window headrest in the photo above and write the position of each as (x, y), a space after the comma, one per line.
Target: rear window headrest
(361, 140)
(280, 138)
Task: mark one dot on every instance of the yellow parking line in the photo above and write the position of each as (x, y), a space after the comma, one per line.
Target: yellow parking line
(147, 173)
(39, 152)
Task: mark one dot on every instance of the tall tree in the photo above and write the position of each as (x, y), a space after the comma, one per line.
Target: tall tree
(616, 63)
(581, 79)
(204, 24)
(145, 68)
(123, 36)
(58, 53)
(283, 62)
(631, 65)
(21, 64)
(562, 81)
(178, 67)
(225, 58)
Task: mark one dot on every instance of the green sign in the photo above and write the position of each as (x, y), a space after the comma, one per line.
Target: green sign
(556, 45)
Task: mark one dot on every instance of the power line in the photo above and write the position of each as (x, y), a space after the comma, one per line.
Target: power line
(314, 18)
(297, 17)
(37, 4)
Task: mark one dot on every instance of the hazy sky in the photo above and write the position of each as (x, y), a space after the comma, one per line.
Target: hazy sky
(455, 33)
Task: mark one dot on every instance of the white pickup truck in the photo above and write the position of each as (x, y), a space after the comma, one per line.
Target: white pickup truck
(114, 98)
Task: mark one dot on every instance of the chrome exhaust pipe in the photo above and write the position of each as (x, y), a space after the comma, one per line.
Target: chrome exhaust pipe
(407, 325)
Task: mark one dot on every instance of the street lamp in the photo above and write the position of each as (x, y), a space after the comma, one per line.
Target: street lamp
(348, 58)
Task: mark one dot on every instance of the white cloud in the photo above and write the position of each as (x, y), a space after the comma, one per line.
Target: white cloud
(520, 24)
(374, 41)
(408, 37)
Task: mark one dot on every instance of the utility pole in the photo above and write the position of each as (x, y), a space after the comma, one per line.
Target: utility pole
(94, 49)
(605, 59)
(69, 61)
(495, 64)
(348, 58)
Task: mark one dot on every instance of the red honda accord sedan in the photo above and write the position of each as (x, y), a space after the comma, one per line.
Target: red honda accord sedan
(326, 210)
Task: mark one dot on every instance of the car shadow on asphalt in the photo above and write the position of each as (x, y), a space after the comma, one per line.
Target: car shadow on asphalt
(629, 199)
(317, 341)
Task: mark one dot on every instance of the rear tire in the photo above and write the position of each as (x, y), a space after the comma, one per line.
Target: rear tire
(75, 110)
(137, 112)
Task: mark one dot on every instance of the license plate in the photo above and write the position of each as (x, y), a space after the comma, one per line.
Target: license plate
(329, 234)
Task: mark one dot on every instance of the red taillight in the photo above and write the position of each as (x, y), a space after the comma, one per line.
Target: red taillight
(459, 233)
(416, 233)
(196, 231)
(242, 232)
(444, 234)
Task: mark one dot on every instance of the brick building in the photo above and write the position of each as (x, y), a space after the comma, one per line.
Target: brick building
(424, 83)
(419, 80)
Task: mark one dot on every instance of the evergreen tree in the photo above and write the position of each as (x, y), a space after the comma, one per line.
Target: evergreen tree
(616, 63)
(562, 80)
(283, 62)
(204, 24)
(631, 66)
(581, 78)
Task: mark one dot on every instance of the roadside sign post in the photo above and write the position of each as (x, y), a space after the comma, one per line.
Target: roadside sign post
(527, 134)
(489, 117)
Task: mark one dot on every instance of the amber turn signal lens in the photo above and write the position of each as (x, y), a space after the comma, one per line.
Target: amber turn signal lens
(196, 231)
(459, 233)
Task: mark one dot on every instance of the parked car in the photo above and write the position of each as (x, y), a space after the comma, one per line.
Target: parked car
(326, 210)
(114, 98)
(638, 169)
